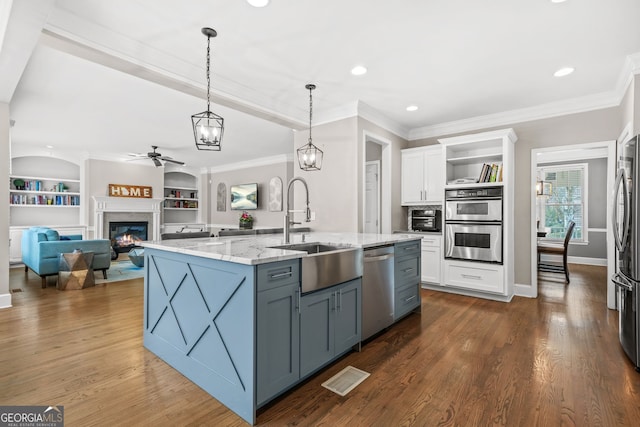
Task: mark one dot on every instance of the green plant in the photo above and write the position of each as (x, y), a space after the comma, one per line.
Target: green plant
(245, 218)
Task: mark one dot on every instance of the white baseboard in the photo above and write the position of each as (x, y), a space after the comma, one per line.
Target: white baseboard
(5, 301)
(575, 260)
(525, 291)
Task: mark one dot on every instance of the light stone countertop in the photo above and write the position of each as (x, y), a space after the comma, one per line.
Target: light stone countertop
(253, 250)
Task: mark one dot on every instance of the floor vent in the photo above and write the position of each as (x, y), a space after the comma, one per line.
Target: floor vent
(13, 291)
(345, 381)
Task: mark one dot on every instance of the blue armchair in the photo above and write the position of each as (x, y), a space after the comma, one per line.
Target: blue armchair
(42, 246)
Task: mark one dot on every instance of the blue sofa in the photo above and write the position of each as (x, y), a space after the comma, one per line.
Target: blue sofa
(42, 246)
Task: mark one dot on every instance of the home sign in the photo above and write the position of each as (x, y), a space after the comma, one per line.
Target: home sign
(139, 191)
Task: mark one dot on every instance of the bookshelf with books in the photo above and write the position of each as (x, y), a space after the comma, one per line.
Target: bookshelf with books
(479, 159)
(44, 191)
(180, 198)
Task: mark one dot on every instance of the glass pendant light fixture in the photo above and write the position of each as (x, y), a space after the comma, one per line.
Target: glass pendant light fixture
(208, 127)
(310, 156)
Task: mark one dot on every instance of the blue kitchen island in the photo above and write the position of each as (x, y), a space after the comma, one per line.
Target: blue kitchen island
(230, 313)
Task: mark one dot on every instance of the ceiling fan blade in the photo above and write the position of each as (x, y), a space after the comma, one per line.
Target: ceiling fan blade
(135, 159)
(168, 159)
(156, 161)
(141, 155)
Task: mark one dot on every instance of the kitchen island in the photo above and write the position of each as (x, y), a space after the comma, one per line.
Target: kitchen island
(231, 314)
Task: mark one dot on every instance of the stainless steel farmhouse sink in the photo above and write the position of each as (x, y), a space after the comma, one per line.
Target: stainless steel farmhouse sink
(326, 264)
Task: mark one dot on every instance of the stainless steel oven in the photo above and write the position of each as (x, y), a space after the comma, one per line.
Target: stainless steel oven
(474, 241)
(473, 224)
(474, 204)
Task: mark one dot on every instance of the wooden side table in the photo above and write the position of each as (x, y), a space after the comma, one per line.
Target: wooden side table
(76, 271)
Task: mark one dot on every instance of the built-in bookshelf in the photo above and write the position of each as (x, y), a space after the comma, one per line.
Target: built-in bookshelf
(180, 198)
(44, 191)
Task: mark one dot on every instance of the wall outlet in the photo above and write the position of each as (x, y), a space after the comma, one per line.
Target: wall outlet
(313, 216)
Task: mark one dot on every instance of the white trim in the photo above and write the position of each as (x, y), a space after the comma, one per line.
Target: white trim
(574, 260)
(264, 161)
(386, 171)
(526, 291)
(596, 230)
(573, 155)
(584, 167)
(378, 165)
(508, 133)
(626, 133)
(371, 114)
(545, 111)
(103, 205)
(5, 301)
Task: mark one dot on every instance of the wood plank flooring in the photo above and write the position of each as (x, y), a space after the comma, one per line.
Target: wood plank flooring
(554, 360)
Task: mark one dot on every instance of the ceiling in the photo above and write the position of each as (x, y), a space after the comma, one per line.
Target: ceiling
(106, 78)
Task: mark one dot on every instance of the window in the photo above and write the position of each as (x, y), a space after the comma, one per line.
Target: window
(567, 201)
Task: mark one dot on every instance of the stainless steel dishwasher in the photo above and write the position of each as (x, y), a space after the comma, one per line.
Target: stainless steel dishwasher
(377, 290)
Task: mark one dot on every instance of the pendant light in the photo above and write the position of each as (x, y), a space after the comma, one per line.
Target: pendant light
(310, 156)
(208, 127)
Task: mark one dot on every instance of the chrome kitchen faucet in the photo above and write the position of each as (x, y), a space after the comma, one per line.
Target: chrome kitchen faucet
(287, 220)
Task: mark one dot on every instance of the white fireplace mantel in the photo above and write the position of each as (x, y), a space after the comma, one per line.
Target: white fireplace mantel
(126, 204)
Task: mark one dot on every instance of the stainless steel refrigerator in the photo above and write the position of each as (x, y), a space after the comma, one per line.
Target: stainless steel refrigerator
(626, 229)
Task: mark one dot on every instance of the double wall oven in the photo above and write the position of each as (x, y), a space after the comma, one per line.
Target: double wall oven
(473, 224)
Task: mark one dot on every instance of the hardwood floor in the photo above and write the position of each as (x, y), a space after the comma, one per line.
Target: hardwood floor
(554, 360)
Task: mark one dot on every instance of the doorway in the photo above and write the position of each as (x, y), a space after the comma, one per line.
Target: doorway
(372, 197)
(376, 149)
(603, 230)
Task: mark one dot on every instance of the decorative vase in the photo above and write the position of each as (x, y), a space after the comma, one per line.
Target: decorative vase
(246, 225)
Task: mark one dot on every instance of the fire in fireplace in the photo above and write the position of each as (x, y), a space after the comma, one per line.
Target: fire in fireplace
(127, 235)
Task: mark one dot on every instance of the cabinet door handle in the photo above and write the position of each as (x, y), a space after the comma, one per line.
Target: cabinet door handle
(471, 276)
(406, 270)
(280, 275)
(298, 301)
(410, 298)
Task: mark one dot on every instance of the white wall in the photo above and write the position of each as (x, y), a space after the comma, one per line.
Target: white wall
(98, 174)
(333, 190)
(260, 174)
(5, 155)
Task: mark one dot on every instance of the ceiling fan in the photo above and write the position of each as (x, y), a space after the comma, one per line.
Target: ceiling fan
(155, 157)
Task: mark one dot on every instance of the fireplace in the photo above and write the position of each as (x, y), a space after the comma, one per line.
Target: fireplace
(126, 235)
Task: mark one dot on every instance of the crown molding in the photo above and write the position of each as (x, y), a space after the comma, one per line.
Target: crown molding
(545, 111)
(583, 104)
(264, 161)
(369, 113)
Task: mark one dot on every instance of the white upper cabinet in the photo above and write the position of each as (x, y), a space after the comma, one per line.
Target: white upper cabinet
(423, 175)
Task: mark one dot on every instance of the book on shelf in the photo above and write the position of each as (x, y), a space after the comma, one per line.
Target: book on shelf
(490, 172)
(494, 173)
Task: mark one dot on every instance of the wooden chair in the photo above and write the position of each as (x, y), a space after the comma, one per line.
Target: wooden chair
(556, 249)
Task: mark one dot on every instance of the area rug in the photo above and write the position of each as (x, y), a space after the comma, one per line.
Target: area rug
(119, 271)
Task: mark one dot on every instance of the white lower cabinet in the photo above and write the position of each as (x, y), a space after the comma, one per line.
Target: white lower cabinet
(477, 276)
(431, 259)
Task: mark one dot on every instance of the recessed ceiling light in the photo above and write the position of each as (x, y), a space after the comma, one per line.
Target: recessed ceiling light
(412, 108)
(258, 3)
(49, 146)
(558, 1)
(564, 71)
(358, 70)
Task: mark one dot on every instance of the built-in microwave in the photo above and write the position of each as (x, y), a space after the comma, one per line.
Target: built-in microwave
(426, 220)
